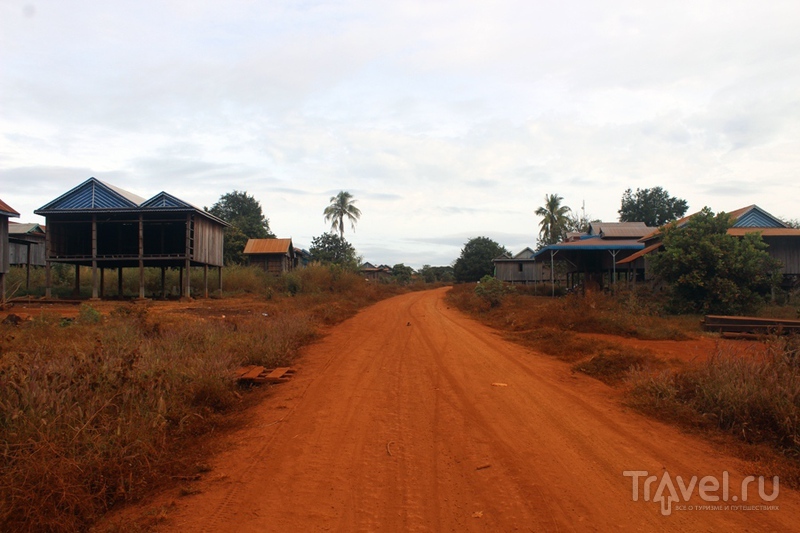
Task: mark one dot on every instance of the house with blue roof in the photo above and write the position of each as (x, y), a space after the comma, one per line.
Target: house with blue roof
(101, 226)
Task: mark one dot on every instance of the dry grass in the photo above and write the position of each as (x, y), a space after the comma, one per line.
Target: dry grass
(95, 411)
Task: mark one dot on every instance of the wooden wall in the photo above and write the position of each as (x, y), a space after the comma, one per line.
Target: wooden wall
(787, 251)
(208, 240)
(18, 253)
(4, 262)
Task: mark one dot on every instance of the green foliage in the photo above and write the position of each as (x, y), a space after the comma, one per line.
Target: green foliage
(340, 208)
(402, 273)
(710, 271)
(432, 274)
(247, 221)
(476, 259)
(330, 248)
(555, 220)
(655, 207)
(89, 315)
(492, 290)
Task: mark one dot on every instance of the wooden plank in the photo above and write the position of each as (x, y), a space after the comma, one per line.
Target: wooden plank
(251, 372)
(278, 372)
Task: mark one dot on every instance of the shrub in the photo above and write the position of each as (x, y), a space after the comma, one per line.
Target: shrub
(492, 290)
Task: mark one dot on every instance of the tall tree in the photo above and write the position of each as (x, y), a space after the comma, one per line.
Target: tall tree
(340, 208)
(655, 207)
(555, 220)
(329, 248)
(710, 271)
(476, 259)
(243, 212)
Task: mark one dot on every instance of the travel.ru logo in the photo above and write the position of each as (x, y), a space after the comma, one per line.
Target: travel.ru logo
(709, 489)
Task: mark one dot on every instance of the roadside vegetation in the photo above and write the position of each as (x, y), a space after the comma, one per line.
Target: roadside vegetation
(96, 410)
(753, 395)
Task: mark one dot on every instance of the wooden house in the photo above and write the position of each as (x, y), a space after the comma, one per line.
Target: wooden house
(522, 268)
(275, 256)
(374, 273)
(783, 242)
(6, 212)
(590, 259)
(26, 247)
(102, 226)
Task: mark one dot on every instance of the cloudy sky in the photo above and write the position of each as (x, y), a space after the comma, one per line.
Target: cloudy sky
(445, 119)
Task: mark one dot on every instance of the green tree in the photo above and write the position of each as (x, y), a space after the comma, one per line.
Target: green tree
(475, 260)
(329, 248)
(243, 212)
(340, 208)
(402, 273)
(712, 272)
(555, 220)
(432, 274)
(655, 207)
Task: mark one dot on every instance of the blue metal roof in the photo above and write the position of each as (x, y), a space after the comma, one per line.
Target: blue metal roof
(163, 199)
(92, 194)
(592, 244)
(757, 218)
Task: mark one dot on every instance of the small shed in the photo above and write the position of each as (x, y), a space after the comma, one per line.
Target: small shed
(6, 212)
(26, 246)
(275, 256)
(372, 272)
(99, 225)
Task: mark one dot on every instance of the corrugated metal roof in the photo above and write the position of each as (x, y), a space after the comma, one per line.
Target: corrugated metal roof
(268, 246)
(164, 199)
(619, 229)
(766, 232)
(6, 210)
(594, 243)
(15, 228)
(640, 253)
(93, 194)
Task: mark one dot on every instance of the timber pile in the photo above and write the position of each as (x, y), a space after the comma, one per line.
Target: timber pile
(748, 325)
(260, 374)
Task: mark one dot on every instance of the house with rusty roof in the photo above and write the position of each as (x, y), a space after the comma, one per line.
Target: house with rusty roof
(783, 242)
(374, 273)
(6, 212)
(101, 226)
(275, 256)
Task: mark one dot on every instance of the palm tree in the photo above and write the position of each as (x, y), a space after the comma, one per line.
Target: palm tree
(554, 220)
(342, 207)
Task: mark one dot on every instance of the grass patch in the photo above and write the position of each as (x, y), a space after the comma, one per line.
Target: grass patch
(612, 365)
(96, 411)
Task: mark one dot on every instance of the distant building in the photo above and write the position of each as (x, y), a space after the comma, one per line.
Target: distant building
(275, 256)
(26, 247)
(372, 272)
(6, 212)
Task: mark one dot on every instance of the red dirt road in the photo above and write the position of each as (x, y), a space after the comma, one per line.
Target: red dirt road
(394, 423)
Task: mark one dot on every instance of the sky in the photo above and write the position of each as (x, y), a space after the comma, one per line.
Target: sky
(446, 120)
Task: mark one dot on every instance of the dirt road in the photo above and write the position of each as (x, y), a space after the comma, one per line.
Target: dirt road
(411, 417)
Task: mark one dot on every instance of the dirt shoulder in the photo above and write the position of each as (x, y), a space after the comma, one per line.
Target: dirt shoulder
(411, 416)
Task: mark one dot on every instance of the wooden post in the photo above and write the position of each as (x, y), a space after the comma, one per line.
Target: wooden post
(219, 279)
(141, 257)
(77, 290)
(187, 291)
(119, 283)
(205, 281)
(47, 289)
(28, 268)
(102, 281)
(94, 258)
(180, 282)
(164, 283)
